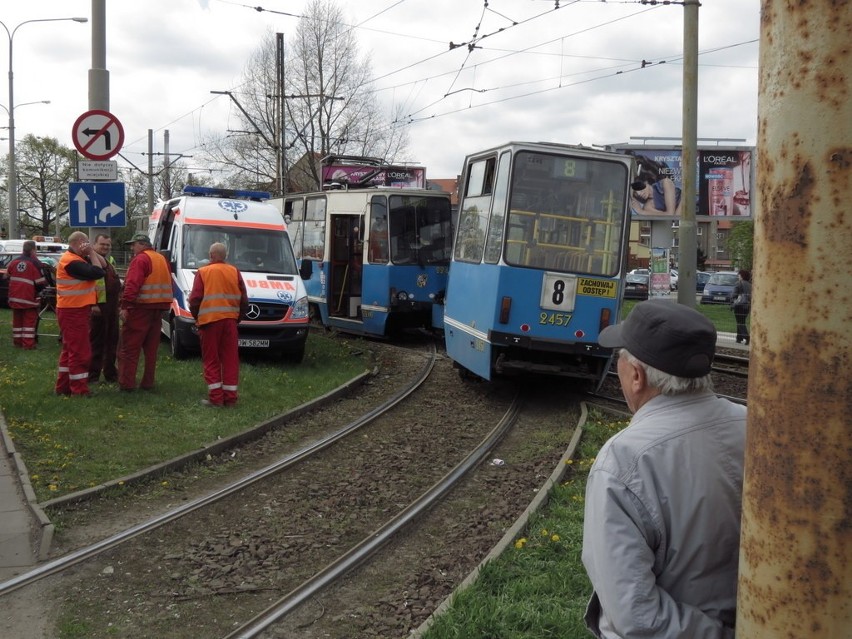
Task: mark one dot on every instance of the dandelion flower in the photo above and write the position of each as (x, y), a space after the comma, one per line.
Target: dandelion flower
(554, 537)
(53, 487)
(521, 543)
(544, 532)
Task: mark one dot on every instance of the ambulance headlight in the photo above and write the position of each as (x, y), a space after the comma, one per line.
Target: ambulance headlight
(300, 309)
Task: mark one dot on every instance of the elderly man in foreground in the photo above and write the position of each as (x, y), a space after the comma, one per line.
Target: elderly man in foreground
(663, 499)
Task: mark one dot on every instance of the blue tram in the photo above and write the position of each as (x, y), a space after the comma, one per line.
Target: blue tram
(539, 253)
(374, 260)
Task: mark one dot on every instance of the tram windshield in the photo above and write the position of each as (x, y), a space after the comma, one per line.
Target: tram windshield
(420, 229)
(566, 213)
(250, 250)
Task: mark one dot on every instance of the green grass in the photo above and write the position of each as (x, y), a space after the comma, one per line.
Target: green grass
(538, 588)
(720, 314)
(70, 444)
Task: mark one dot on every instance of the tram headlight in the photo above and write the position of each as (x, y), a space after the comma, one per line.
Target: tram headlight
(402, 296)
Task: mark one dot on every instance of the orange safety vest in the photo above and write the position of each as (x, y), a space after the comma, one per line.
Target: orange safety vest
(157, 287)
(221, 293)
(71, 292)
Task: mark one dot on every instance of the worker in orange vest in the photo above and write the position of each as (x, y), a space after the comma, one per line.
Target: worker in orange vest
(76, 273)
(147, 293)
(26, 279)
(217, 301)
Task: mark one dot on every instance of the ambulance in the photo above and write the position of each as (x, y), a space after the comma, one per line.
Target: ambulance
(183, 228)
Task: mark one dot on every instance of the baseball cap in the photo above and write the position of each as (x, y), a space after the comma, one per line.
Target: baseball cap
(138, 237)
(671, 337)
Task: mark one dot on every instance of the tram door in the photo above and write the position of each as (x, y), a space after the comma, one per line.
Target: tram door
(346, 260)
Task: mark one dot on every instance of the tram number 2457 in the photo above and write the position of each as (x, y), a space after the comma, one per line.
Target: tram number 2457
(554, 319)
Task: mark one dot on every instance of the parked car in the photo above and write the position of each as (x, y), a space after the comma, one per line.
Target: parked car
(673, 279)
(719, 288)
(636, 286)
(49, 260)
(639, 271)
(701, 278)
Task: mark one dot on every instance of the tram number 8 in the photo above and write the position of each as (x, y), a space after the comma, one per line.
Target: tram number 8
(558, 292)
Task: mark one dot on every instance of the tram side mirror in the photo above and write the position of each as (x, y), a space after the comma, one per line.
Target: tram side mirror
(306, 269)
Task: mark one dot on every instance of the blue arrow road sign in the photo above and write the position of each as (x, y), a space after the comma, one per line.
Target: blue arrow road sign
(96, 204)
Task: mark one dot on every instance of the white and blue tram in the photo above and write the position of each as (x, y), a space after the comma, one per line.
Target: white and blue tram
(374, 260)
(538, 257)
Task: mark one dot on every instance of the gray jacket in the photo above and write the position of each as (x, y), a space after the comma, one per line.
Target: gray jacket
(662, 522)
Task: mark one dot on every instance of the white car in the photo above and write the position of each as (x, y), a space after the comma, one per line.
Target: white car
(673, 280)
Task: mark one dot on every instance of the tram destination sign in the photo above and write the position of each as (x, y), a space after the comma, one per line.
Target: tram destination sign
(97, 170)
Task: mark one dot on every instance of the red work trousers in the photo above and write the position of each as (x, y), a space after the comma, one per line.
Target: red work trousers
(24, 323)
(221, 359)
(141, 332)
(103, 335)
(73, 374)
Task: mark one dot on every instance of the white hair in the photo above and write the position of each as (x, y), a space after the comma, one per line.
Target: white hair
(667, 383)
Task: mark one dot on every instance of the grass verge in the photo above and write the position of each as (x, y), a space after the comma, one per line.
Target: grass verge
(70, 444)
(538, 588)
(720, 314)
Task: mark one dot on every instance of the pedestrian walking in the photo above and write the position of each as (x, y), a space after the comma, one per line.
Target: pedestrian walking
(742, 304)
(26, 279)
(76, 273)
(103, 325)
(661, 529)
(217, 300)
(147, 293)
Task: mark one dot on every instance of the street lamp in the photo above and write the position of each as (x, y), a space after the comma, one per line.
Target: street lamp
(13, 177)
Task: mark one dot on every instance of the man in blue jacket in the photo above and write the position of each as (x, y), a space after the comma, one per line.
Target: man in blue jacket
(663, 500)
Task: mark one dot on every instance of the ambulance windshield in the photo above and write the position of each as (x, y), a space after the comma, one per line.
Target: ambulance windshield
(250, 250)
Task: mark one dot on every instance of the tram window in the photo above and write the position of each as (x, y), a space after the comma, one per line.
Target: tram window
(566, 213)
(296, 227)
(377, 252)
(314, 233)
(494, 240)
(420, 229)
(480, 178)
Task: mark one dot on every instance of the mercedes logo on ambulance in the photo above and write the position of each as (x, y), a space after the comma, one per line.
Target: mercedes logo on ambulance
(253, 312)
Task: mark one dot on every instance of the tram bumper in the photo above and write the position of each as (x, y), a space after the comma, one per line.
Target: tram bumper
(520, 354)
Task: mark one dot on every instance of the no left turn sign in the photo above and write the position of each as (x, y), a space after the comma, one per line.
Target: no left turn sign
(98, 135)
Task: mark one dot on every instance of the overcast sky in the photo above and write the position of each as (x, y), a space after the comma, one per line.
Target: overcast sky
(573, 74)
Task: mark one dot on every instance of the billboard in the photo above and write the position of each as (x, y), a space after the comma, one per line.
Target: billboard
(723, 182)
(397, 176)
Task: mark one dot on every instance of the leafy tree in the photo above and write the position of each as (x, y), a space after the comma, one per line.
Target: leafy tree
(741, 245)
(44, 169)
(328, 108)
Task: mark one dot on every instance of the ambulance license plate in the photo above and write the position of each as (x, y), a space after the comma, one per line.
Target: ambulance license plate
(253, 343)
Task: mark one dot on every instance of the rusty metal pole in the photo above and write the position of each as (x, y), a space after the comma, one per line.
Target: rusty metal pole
(796, 546)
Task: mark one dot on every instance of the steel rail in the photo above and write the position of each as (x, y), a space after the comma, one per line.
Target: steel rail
(372, 543)
(82, 554)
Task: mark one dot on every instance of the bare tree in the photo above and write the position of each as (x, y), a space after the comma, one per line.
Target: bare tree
(328, 107)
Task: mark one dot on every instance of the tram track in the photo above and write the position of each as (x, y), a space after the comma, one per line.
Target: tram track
(322, 518)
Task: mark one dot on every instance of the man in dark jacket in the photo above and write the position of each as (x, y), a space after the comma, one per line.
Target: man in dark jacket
(103, 326)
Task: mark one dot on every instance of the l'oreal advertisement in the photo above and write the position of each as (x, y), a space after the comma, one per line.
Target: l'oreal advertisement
(398, 176)
(723, 179)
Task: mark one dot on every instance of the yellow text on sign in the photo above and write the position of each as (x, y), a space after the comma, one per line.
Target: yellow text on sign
(596, 288)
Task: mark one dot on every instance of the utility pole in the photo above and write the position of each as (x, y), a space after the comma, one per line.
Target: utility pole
(281, 163)
(688, 230)
(796, 543)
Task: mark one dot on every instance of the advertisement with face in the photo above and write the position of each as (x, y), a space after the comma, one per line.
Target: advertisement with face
(397, 176)
(723, 183)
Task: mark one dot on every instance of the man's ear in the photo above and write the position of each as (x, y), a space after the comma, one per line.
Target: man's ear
(636, 377)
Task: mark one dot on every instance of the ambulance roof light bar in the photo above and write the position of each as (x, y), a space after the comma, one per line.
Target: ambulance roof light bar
(233, 194)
